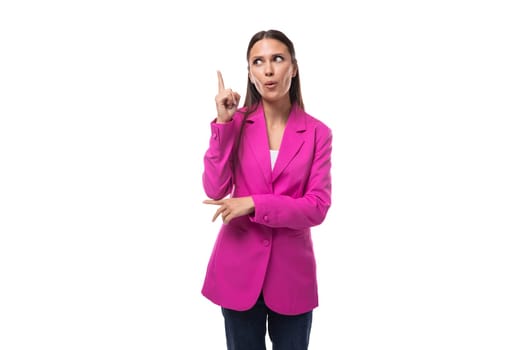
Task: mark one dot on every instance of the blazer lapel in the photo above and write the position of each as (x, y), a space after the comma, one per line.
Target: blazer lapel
(293, 139)
(257, 138)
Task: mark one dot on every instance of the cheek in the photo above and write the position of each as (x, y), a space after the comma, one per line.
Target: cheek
(254, 80)
(258, 85)
(288, 81)
(289, 77)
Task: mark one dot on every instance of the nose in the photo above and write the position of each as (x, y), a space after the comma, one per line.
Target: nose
(268, 71)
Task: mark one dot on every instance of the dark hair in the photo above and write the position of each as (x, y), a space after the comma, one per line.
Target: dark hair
(253, 97)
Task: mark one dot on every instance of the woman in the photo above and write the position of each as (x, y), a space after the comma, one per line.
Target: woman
(267, 169)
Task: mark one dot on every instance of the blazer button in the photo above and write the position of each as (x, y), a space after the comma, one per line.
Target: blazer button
(265, 218)
(266, 243)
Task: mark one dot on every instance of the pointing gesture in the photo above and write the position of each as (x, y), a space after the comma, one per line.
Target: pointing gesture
(226, 101)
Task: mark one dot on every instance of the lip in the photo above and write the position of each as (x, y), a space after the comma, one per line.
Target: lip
(270, 84)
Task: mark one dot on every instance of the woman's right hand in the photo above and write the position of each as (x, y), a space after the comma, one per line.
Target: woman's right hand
(226, 101)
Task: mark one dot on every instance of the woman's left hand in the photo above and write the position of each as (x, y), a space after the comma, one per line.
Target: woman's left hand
(231, 208)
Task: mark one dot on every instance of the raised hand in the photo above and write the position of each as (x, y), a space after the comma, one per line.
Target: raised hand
(226, 101)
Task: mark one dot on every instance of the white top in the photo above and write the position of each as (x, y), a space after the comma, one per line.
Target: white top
(273, 156)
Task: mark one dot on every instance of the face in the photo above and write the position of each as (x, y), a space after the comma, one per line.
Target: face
(271, 69)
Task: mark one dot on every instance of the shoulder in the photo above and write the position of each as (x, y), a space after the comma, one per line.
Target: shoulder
(316, 124)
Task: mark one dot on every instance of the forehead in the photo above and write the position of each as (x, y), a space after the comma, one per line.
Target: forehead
(268, 47)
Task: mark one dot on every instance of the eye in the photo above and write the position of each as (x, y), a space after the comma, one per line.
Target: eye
(278, 58)
(257, 61)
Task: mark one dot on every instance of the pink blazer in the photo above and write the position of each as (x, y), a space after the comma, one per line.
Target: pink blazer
(271, 250)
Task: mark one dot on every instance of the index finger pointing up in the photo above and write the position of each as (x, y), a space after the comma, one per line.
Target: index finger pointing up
(221, 82)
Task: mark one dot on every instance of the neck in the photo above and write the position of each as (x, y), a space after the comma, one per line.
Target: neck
(276, 113)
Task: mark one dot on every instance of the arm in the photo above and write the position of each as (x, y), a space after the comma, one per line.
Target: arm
(217, 176)
(311, 208)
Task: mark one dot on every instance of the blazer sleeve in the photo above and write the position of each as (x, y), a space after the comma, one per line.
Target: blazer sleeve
(217, 175)
(310, 209)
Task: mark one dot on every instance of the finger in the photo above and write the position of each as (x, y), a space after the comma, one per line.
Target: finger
(217, 213)
(234, 99)
(226, 217)
(211, 201)
(223, 212)
(237, 97)
(221, 81)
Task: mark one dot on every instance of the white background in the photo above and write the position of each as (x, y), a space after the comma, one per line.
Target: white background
(105, 109)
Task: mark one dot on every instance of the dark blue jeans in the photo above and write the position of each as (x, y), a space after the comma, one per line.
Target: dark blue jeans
(246, 330)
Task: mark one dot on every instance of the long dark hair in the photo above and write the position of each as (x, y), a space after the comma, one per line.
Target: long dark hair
(253, 97)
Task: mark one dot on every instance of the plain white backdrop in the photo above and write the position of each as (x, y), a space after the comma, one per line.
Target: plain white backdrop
(105, 109)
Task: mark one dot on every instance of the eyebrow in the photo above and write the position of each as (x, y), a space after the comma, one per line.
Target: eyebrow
(272, 55)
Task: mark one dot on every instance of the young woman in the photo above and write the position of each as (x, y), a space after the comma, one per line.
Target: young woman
(267, 169)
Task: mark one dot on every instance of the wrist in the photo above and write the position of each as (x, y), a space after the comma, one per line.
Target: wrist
(222, 119)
